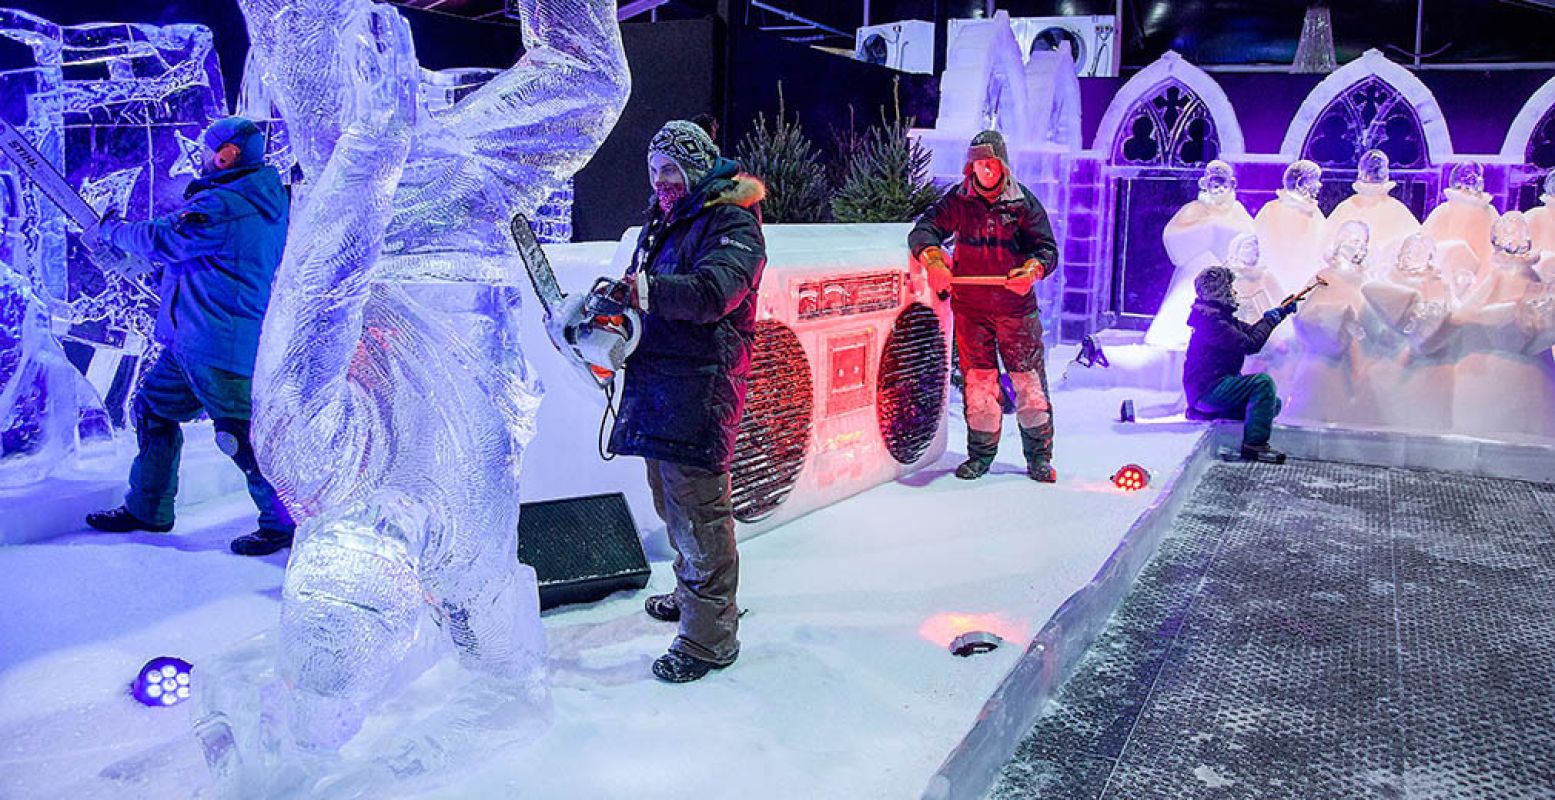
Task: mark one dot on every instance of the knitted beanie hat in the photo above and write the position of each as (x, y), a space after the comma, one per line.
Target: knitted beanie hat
(689, 146)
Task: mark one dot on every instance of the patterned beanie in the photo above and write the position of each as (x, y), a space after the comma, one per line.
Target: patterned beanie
(1213, 285)
(689, 146)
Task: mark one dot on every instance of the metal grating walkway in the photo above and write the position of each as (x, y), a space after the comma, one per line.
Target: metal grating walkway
(1320, 630)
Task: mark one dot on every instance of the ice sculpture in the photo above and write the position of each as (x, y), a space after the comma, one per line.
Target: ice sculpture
(1541, 218)
(1415, 385)
(1291, 227)
(112, 105)
(1198, 235)
(1387, 218)
(1254, 288)
(1505, 377)
(41, 394)
(1336, 332)
(393, 401)
(1465, 217)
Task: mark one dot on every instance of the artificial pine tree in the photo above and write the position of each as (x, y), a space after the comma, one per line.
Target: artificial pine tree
(788, 163)
(887, 180)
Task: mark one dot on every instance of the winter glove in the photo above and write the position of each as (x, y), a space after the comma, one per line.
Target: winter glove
(639, 286)
(933, 260)
(96, 237)
(1022, 278)
(1279, 313)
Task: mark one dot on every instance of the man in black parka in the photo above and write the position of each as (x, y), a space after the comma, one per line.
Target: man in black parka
(695, 275)
(1001, 233)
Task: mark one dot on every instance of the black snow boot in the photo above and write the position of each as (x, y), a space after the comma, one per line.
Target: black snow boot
(1037, 445)
(1262, 453)
(673, 667)
(262, 542)
(662, 607)
(120, 520)
(980, 449)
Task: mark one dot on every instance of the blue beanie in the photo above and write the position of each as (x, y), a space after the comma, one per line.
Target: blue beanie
(242, 132)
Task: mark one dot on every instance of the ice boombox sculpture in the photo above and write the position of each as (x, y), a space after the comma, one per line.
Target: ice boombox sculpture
(851, 372)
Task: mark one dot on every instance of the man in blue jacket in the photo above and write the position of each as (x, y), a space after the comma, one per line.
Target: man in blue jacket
(219, 251)
(696, 271)
(1212, 372)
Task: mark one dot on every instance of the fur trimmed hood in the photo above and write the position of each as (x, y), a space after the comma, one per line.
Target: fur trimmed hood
(744, 190)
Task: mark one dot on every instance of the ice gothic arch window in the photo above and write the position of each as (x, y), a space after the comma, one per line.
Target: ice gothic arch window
(1369, 114)
(1169, 127)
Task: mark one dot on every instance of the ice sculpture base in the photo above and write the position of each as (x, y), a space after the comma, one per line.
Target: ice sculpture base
(438, 727)
(59, 505)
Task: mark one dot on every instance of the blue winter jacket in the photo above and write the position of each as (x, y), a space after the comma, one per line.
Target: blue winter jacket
(220, 251)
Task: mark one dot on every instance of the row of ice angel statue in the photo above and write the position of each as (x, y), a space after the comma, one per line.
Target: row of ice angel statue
(1445, 325)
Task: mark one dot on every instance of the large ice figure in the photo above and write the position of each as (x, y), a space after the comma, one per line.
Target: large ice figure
(1255, 289)
(1334, 326)
(1411, 299)
(1461, 226)
(1386, 217)
(1505, 380)
(42, 395)
(1541, 218)
(393, 401)
(1197, 236)
(1291, 228)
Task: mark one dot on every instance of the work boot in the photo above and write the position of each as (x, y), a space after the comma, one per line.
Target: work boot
(673, 667)
(1036, 443)
(662, 607)
(981, 447)
(1262, 453)
(974, 468)
(120, 520)
(262, 542)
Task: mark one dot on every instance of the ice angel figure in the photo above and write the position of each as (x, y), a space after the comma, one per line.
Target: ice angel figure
(393, 401)
(1386, 217)
(1197, 236)
(1291, 227)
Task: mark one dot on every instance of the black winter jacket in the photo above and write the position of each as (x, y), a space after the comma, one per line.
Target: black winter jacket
(991, 239)
(1218, 345)
(685, 383)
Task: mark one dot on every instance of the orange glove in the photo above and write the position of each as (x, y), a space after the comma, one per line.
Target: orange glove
(933, 260)
(1022, 278)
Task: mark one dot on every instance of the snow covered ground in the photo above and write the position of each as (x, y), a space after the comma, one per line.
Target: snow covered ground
(844, 687)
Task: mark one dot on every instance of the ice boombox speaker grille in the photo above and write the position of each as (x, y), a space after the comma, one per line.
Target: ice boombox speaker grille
(850, 375)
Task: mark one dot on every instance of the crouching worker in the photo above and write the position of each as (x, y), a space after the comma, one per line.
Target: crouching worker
(1212, 373)
(220, 250)
(695, 272)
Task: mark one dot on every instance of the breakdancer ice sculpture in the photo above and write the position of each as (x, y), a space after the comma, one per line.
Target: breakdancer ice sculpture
(393, 401)
(1505, 380)
(1197, 236)
(1291, 228)
(1387, 218)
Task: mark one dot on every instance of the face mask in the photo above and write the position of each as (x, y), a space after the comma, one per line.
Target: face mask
(668, 196)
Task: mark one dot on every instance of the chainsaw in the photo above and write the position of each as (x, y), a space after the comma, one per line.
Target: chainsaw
(597, 329)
